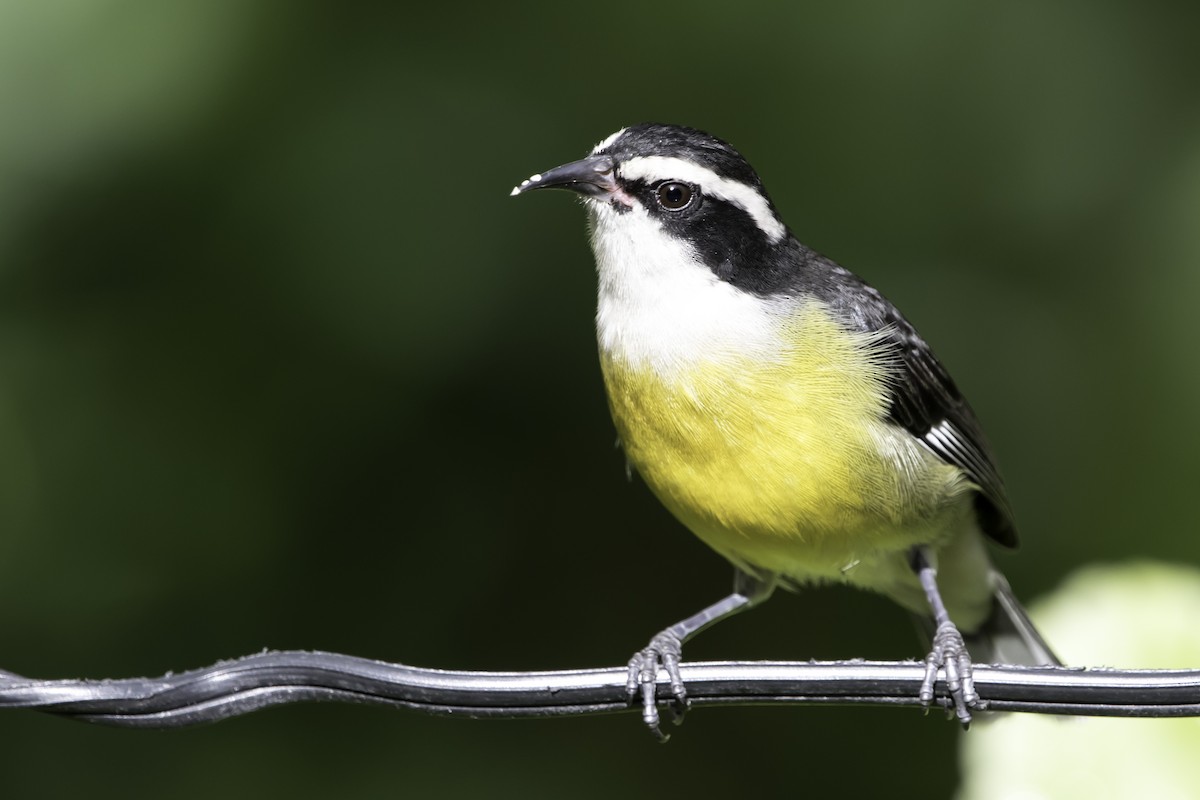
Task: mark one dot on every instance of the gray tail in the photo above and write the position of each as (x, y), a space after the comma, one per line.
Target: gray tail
(1008, 636)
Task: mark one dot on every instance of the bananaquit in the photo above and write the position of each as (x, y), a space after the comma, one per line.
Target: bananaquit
(784, 410)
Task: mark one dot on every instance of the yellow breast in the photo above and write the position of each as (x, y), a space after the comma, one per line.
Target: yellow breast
(782, 460)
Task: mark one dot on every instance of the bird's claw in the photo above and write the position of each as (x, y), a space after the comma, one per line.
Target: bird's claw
(665, 651)
(949, 653)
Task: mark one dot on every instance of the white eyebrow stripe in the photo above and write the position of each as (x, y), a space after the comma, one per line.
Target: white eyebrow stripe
(662, 168)
(604, 145)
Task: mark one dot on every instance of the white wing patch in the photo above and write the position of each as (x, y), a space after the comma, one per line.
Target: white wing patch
(948, 443)
(747, 198)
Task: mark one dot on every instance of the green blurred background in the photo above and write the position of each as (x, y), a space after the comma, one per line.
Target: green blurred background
(282, 366)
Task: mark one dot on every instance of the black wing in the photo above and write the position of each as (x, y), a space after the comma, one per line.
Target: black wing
(925, 401)
(927, 404)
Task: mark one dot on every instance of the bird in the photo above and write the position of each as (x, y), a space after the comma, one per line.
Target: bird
(785, 412)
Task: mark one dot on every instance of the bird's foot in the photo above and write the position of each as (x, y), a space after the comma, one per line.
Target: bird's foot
(949, 652)
(664, 651)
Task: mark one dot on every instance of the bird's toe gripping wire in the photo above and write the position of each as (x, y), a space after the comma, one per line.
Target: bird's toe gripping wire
(948, 651)
(666, 649)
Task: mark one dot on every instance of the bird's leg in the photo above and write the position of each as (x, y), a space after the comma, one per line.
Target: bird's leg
(948, 651)
(666, 648)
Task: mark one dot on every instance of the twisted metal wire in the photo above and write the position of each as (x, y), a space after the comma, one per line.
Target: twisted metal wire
(241, 686)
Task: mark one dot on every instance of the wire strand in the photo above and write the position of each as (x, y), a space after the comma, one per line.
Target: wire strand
(241, 686)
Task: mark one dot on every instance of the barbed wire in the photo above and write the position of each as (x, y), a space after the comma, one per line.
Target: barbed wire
(241, 686)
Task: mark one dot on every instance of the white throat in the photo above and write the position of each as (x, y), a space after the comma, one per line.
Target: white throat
(660, 306)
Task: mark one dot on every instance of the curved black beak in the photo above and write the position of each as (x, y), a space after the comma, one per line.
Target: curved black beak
(592, 176)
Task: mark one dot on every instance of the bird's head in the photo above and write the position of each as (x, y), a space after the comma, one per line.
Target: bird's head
(653, 185)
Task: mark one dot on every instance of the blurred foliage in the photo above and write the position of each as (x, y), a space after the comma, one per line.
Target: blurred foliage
(1155, 607)
(282, 366)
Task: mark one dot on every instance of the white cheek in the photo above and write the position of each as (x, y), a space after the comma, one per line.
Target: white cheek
(660, 306)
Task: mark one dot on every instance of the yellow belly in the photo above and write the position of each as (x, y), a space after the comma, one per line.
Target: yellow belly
(783, 462)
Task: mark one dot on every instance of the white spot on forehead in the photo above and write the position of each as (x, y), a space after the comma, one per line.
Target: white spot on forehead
(604, 145)
(747, 198)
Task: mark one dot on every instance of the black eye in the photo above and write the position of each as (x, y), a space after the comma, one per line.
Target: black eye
(674, 196)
